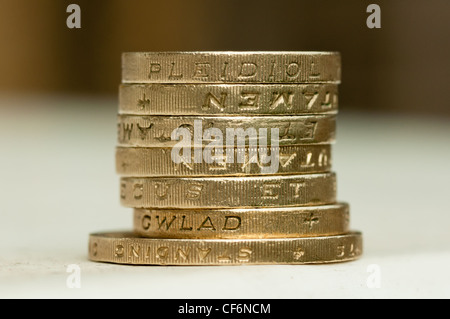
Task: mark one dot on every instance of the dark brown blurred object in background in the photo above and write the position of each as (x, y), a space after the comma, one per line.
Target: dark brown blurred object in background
(402, 66)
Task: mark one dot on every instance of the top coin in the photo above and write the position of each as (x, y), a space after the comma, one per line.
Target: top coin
(231, 67)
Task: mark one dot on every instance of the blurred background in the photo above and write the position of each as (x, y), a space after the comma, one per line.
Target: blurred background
(404, 66)
(58, 106)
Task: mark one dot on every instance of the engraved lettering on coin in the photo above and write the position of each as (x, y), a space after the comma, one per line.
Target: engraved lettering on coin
(186, 162)
(323, 158)
(292, 130)
(123, 187)
(224, 71)
(173, 75)
(228, 100)
(203, 252)
(218, 67)
(269, 191)
(293, 70)
(258, 191)
(183, 253)
(127, 129)
(134, 251)
(286, 222)
(143, 130)
(130, 248)
(297, 188)
(285, 135)
(286, 159)
(119, 251)
(146, 222)
(183, 226)
(249, 100)
(162, 190)
(148, 253)
(163, 221)
(310, 130)
(221, 165)
(298, 253)
(298, 159)
(228, 225)
(353, 251)
(271, 76)
(154, 68)
(308, 161)
(202, 70)
(340, 251)
(138, 191)
(244, 255)
(248, 70)
(194, 191)
(311, 98)
(313, 73)
(162, 252)
(212, 101)
(207, 224)
(285, 99)
(327, 103)
(224, 257)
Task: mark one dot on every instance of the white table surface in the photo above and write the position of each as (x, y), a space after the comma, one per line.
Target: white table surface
(58, 184)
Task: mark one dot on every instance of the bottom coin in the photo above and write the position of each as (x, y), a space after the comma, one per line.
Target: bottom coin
(128, 248)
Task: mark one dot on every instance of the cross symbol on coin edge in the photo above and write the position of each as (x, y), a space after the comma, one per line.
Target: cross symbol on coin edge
(142, 103)
(311, 220)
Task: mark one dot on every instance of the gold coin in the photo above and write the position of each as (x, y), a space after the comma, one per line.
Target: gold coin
(289, 222)
(301, 159)
(128, 248)
(228, 99)
(229, 192)
(231, 67)
(156, 131)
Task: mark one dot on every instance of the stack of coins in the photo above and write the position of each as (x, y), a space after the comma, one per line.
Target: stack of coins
(226, 159)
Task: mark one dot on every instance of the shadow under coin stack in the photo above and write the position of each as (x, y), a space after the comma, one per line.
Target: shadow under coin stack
(252, 203)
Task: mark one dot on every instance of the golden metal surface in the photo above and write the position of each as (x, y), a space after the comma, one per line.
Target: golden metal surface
(228, 192)
(127, 248)
(301, 159)
(228, 99)
(193, 204)
(231, 67)
(156, 131)
(290, 222)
